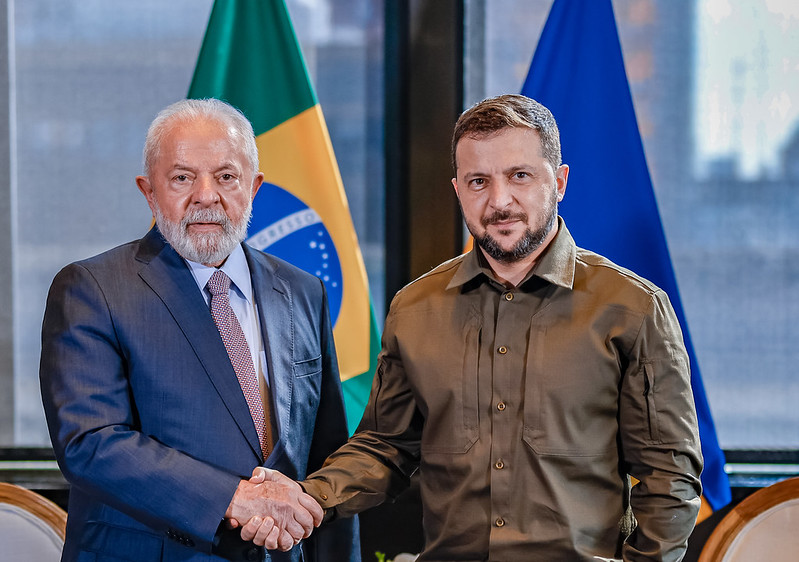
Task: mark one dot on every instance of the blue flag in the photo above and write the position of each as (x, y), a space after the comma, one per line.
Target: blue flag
(578, 73)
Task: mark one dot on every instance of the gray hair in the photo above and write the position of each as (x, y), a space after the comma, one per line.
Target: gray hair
(509, 110)
(191, 109)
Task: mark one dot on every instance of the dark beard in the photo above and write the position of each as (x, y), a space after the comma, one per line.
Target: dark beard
(530, 241)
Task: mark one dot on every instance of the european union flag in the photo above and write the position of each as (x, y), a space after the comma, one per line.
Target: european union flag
(578, 73)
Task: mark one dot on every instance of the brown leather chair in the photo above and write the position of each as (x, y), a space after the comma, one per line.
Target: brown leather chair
(31, 526)
(764, 526)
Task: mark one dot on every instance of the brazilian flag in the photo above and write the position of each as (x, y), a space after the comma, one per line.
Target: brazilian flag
(251, 59)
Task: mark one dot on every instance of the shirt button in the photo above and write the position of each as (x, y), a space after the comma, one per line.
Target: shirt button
(500, 522)
(323, 496)
(499, 465)
(508, 296)
(501, 406)
(502, 350)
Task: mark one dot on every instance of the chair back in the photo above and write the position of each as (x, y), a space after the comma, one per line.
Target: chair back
(31, 526)
(764, 526)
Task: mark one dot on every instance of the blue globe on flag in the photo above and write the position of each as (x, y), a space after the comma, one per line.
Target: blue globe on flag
(285, 227)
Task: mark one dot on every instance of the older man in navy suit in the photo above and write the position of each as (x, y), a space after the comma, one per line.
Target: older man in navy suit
(174, 365)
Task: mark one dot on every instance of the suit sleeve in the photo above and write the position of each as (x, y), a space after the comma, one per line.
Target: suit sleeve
(94, 425)
(660, 438)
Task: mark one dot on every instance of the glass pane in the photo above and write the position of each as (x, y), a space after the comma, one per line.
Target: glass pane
(715, 88)
(91, 74)
(342, 42)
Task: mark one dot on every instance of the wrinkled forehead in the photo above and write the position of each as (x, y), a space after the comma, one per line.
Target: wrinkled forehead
(521, 136)
(199, 139)
(199, 127)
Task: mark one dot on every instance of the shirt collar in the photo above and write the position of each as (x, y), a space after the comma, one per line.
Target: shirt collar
(235, 267)
(556, 264)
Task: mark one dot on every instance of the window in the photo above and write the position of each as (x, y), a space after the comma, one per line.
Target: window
(88, 77)
(714, 84)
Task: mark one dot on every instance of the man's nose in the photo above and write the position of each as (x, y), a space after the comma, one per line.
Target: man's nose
(205, 192)
(500, 194)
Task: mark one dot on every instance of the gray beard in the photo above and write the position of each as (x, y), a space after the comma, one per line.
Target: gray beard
(208, 248)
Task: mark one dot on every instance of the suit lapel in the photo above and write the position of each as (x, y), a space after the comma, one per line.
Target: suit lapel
(170, 278)
(273, 294)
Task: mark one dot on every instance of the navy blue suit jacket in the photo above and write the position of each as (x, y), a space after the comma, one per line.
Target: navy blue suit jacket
(147, 418)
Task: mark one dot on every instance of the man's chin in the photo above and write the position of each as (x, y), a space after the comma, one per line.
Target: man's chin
(499, 252)
(504, 243)
(202, 247)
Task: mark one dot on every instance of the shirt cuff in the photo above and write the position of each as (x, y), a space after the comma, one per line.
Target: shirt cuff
(323, 494)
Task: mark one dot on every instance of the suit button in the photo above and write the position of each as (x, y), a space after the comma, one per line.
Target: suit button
(252, 554)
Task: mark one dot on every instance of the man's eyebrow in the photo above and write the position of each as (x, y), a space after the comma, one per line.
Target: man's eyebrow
(519, 167)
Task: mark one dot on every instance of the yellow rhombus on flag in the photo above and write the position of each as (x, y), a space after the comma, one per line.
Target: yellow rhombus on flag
(251, 59)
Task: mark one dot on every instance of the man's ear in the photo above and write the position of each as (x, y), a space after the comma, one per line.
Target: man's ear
(257, 181)
(561, 179)
(146, 188)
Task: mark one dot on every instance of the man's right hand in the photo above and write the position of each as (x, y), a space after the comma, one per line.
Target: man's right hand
(275, 510)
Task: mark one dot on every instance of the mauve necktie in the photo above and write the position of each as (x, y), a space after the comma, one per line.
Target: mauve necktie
(239, 352)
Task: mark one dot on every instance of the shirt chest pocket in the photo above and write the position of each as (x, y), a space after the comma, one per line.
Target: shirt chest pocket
(451, 395)
(570, 393)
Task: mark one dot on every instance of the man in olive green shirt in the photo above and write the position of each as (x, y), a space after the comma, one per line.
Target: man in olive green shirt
(527, 380)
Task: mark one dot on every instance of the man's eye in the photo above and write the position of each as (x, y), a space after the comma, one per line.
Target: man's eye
(521, 175)
(478, 181)
(181, 177)
(226, 177)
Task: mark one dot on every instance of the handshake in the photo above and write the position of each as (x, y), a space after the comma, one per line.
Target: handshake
(272, 510)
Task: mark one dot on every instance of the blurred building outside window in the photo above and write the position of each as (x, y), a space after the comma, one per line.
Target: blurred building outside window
(715, 85)
(88, 76)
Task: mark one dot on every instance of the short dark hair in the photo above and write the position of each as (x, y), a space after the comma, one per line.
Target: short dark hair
(509, 110)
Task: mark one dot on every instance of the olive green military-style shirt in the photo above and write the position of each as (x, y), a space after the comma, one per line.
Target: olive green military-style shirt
(526, 409)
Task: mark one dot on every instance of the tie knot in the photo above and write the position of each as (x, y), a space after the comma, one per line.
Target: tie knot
(218, 284)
